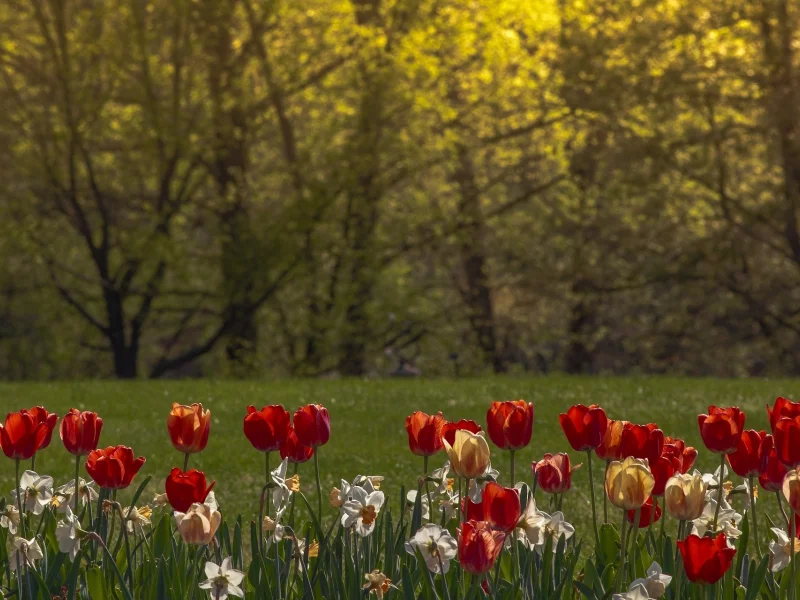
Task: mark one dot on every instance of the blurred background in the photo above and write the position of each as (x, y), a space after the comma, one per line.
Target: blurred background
(241, 188)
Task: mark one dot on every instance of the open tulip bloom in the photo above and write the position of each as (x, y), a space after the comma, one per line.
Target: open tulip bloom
(462, 530)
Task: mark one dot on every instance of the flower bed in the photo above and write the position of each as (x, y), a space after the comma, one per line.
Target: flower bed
(458, 532)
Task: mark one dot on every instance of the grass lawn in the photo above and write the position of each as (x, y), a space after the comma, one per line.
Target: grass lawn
(367, 424)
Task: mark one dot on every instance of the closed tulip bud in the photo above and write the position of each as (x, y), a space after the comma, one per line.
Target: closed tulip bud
(22, 435)
(783, 407)
(478, 546)
(772, 471)
(612, 440)
(785, 435)
(312, 424)
(188, 427)
(198, 525)
(41, 415)
(80, 431)
(500, 506)
(791, 490)
(266, 429)
(584, 426)
(425, 433)
(554, 473)
(629, 483)
(684, 496)
(746, 461)
(510, 424)
(721, 429)
(185, 489)
(469, 455)
(642, 441)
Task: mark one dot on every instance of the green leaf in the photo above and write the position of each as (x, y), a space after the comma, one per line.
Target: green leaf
(96, 583)
(609, 546)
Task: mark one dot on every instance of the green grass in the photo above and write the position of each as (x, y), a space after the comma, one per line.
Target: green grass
(367, 424)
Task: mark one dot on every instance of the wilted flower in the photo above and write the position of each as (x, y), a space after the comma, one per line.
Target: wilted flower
(361, 510)
(636, 591)
(377, 582)
(63, 495)
(436, 545)
(445, 484)
(26, 553)
(223, 580)
(629, 483)
(36, 491)
(535, 527)
(137, 518)
(375, 480)
(781, 549)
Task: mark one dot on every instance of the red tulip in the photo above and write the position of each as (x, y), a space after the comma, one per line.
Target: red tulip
(80, 431)
(292, 449)
(642, 441)
(786, 434)
(585, 427)
(610, 448)
(721, 429)
(185, 489)
(772, 471)
(312, 425)
(646, 514)
(706, 559)
(500, 506)
(113, 467)
(189, 427)
(473, 511)
(266, 428)
(688, 453)
(783, 408)
(746, 461)
(478, 546)
(41, 415)
(425, 433)
(553, 473)
(22, 435)
(510, 424)
(662, 469)
(449, 429)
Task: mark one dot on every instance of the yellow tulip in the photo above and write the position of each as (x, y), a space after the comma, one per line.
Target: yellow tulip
(199, 524)
(629, 483)
(469, 454)
(685, 496)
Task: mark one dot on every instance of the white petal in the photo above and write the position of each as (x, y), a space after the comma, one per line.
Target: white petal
(235, 577)
(212, 570)
(28, 479)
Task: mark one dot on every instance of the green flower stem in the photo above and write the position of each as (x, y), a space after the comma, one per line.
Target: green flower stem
(513, 465)
(319, 486)
(594, 508)
(185, 462)
(792, 531)
(20, 493)
(754, 515)
(623, 544)
(605, 498)
(427, 487)
(719, 493)
(76, 493)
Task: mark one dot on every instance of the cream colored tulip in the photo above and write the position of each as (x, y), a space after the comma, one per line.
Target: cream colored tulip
(469, 454)
(199, 524)
(629, 483)
(685, 496)
(791, 490)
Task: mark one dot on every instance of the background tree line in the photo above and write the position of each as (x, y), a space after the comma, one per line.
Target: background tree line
(316, 187)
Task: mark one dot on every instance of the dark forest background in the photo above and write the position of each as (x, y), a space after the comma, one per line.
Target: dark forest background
(351, 187)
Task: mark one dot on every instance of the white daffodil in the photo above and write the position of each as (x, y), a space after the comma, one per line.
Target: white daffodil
(436, 545)
(449, 505)
(137, 519)
(445, 485)
(63, 495)
(299, 552)
(10, 519)
(655, 584)
(69, 534)
(635, 592)
(781, 549)
(476, 485)
(223, 580)
(36, 491)
(274, 526)
(285, 486)
(375, 480)
(535, 526)
(362, 509)
(26, 553)
(339, 496)
(211, 501)
(726, 521)
(744, 491)
(411, 500)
